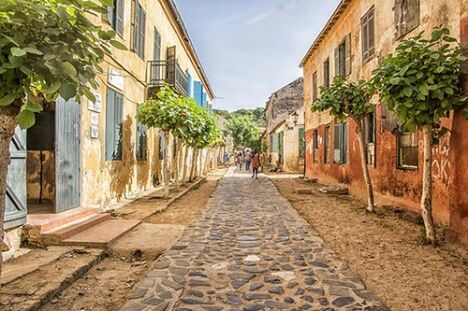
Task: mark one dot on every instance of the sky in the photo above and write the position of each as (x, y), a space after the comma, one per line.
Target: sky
(251, 48)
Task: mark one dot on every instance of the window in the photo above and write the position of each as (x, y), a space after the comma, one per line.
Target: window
(139, 25)
(301, 143)
(407, 150)
(340, 143)
(156, 45)
(406, 16)
(368, 35)
(369, 137)
(314, 87)
(274, 142)
(114, 109)
(141, 142)
(326, 144)
(116, 16)
(315, 146)
(343, 57)
(326, 73)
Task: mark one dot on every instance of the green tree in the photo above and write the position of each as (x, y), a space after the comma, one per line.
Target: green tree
(168, 113)
(420, 83)
(346, 99)
(47, 48)
(244, 131)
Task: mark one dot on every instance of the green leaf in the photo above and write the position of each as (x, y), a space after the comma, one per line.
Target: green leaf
(32, 50)
(17, 52)
(465, 113)
(33, 107)
(26, 70)
(7, 100)
(117, 44)
(26, 119)
(53, 88)
(408, 91)
(67, 91)
(69, 69)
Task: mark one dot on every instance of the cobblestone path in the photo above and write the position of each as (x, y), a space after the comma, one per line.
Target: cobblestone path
(250, 250)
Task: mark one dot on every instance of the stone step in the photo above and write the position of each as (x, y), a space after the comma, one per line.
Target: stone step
(47, 221)
(101, 234)
(56, 235)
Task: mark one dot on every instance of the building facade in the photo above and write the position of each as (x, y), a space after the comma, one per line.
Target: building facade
(284, 133)
(95, 154)
(356, 37)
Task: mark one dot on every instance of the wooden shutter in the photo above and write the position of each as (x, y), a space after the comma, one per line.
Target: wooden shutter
(136, 26)
(156, 45)
(119, 17)
(337, 61)
(348, 54)
(344, 150)
(110, 98)
(142, 29)
(326, 72)
(413, 14)
(336, 143)
(171, 64)
(407, 16)
(301, 142)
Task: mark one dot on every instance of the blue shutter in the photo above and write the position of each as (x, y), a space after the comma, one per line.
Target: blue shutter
(110, 97)
(197, 92)
(119, 17)
(204, 99)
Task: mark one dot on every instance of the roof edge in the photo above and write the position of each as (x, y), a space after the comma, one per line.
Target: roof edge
(185, 35)
(331, 21)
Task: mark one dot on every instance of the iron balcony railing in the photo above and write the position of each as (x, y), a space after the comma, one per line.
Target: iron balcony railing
(162, 72)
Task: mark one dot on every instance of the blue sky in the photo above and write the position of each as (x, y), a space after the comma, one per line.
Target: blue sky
(251, 48)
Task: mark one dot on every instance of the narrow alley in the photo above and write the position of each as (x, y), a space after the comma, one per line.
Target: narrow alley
(250, 250)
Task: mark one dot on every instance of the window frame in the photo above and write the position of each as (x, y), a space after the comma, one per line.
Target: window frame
(370, 135)
(399, 164)
(138, 29)
(141, 143)
(343, 143)
(315, 146)
(314, 87)
(400, 19)
(117, 150)
(326, 72)
(116, 17)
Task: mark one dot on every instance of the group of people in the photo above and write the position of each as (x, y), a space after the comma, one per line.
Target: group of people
(250, 160)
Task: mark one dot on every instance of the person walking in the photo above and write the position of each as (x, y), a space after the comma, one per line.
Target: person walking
(255, 164)
(248, 159)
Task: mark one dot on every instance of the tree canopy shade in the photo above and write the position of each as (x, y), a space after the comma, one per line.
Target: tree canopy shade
(347, 99)
(420, 83)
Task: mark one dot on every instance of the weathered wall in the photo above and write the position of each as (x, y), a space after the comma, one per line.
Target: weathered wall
(400, 187)
(284, 102)
(106, 182)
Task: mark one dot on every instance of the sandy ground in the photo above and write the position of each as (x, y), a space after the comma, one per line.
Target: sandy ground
(383, 250)
(107, 284)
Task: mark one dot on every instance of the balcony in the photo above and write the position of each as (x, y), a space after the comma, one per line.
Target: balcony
(160, 72)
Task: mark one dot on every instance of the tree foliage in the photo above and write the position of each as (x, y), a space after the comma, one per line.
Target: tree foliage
(244, 131)
(420, 82)
(345, 99)
(49, 48)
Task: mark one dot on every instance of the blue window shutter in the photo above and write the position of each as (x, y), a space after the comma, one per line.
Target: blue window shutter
(204, 100)
(197, 92)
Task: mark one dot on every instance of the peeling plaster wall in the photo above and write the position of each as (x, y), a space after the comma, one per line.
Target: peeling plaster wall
(394, 186)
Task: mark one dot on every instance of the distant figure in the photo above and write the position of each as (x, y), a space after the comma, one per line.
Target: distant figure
(255, 164)
(248, 159)
(239, 160)
(262, 158)
(226, 157)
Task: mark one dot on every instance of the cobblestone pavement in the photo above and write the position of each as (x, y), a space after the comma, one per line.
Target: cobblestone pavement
(250, 250)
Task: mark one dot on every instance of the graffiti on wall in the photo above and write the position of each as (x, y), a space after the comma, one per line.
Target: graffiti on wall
(440, 160)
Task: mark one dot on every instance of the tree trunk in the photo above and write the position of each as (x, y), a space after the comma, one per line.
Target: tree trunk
(184, 172)
(194, 164)
(181, 161)
(426, 198)
(7, 129)
(365, 169)
(176, 164)
(167, 158)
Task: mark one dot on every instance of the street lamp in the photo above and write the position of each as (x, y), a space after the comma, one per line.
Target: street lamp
(295, 117)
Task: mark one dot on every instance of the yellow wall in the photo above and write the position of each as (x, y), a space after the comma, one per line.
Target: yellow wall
(105, 182)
